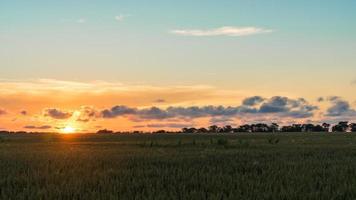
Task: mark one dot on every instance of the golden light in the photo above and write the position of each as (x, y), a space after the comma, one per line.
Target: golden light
(68, 130)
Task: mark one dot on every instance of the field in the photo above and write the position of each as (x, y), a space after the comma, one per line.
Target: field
(240, 166)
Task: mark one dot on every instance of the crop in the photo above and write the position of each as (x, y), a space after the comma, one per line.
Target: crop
(303, 166)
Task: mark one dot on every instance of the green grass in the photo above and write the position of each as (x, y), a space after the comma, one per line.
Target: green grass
(241, 166)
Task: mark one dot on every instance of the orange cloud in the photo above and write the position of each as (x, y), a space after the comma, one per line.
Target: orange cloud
(86, 106)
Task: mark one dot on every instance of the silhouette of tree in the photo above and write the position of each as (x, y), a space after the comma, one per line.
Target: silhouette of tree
(353, 127)
(227, 129)
(202, 130)
(326, 127)
(105, 131)
(213, 129)
(274, 127)
(341, 127)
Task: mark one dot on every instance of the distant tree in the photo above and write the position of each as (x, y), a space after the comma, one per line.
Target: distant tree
(105, 131)
(326, 127)
(292, 128)
(260, 127)
(227, 129)
(185, 130)
(245, 128)
(160, 131)
(213, 129)
(274, 127)
(341, 127)
(353, 127)
(308, 127)
(202, 130)
(189, 130)
(318, 128)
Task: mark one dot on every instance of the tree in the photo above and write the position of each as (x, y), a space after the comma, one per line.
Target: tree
(292, 128)
(274, 127)
(202, 130)
(353, 127)
(326, 127)
(308, 127)
(245, 128)
(318, 128)
(189, 130)
(105, 131)
(341, 127)
(260, 127)
(213, 129)
(160, 131)
(227, 129)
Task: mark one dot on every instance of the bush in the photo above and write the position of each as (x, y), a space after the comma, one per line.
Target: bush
(2, 139)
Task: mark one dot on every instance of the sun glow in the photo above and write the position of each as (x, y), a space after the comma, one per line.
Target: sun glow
(68, 130)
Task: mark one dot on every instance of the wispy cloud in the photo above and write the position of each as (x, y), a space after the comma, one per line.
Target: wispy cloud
(222, 31)
(121, 17)
(37, 127)
(353, 82)
(81, 21)
(2, 112)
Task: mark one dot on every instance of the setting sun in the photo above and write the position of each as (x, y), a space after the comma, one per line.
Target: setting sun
(68, 130)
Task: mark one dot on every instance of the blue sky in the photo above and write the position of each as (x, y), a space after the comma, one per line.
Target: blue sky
(81, 40)
(76, 57)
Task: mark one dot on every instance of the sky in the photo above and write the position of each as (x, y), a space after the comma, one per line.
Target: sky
(147, 65)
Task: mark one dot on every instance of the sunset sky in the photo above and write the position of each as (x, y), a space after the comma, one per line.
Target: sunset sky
(148, 65)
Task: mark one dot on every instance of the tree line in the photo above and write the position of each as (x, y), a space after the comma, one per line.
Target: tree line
(343, 126)
(274, 127)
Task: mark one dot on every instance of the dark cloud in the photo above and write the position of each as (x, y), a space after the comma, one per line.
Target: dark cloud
(57, 114)
(252, 101)
(340, 107)
(320, 99)
(3, 112)
(169, 125)
(24, 112)
(159, 101)
(154, 113)
(118, 111)
(139, 126)
(221, 120)
(37, 127)
(87, 113)
(297, 108)
(283, 106)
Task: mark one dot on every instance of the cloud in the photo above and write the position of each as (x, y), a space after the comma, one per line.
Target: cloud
(121, 17)
(118, 111)
(2, 112)
(296, 108)
(35, 95)
(159, 101)
(168, 125)
(252, 101)
(37, 127)
(221, 120)
(282, 106)
(24, 112)
(320, 99)
(81, 21)
(339, 108)
(86, 114)
(222, 31)
(57, 114)
(353, 82)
